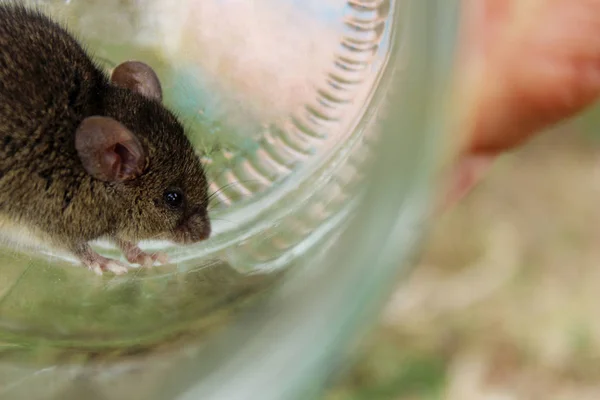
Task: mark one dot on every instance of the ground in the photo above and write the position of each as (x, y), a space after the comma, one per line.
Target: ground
(503, 304)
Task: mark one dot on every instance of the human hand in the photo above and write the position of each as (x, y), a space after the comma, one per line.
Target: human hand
(528, 64)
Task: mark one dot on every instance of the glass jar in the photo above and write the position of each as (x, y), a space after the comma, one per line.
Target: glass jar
(318, 123)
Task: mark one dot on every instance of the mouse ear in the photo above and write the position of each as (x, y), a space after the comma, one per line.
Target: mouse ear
(109, 151)
(139, 77)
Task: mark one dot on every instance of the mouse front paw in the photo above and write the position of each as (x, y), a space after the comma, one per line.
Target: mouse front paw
(106, 264)
(135, 255)
(97, 263)
(144, 259)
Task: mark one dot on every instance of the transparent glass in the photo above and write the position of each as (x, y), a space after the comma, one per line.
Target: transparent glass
(319, 125)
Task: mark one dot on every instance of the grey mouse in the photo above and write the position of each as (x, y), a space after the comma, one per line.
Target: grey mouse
(84, 155)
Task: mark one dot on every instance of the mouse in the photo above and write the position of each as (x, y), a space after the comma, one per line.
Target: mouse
(86, 153)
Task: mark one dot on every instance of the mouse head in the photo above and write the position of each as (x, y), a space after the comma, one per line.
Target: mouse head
(149, 167)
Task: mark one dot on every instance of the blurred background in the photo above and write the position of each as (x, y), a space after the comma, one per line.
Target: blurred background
(503, 302)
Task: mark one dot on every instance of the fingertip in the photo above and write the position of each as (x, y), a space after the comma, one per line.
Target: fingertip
(466, 174)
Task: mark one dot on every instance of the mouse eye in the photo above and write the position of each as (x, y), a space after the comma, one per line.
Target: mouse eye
(173, 198)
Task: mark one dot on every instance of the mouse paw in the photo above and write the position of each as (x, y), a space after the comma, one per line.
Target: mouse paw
(97, 263)
(141, 258)
(135, 255)
(117, 268)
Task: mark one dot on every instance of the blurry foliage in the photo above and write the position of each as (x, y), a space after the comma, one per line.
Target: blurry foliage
(388, 370)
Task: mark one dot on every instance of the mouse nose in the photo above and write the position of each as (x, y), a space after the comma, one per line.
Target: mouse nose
(205, 230)
(196, 228)
(199, 227)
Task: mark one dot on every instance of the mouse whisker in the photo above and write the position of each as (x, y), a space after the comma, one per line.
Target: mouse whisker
(220, 189)
(223, 219)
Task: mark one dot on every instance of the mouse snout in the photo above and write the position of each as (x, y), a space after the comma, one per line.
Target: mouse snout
(193, 229)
